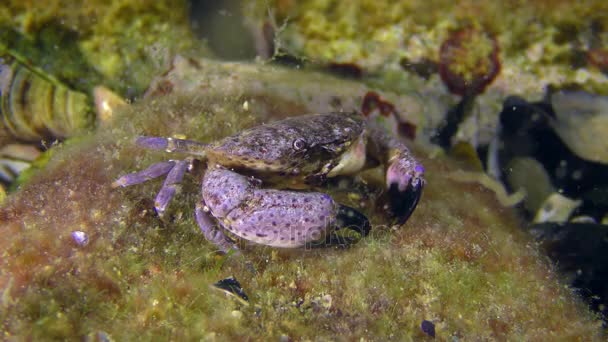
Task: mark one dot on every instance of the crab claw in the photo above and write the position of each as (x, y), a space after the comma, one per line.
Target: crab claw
(405, 183)
(352, 219)
(279, 218)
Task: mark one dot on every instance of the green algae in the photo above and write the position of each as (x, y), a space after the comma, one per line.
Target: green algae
(121, 44)
(40, 51)
(544, 40)
(36, 166)
(460, 261)
(556, 44)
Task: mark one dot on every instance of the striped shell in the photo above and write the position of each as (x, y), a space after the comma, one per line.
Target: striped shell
(35, 106)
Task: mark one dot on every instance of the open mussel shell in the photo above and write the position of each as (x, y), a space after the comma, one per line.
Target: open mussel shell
(581, 121)
(34, 107)
(231, 287)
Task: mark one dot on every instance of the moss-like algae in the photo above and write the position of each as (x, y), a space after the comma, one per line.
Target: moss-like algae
(121, 43)
(460, 261)
(545, 41)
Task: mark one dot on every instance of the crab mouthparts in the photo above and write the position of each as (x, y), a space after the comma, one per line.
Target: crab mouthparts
(352, 160)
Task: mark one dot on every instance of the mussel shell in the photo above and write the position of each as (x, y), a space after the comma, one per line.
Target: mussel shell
(34, 107)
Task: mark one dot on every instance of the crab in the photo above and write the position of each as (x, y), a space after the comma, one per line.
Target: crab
(290, 155)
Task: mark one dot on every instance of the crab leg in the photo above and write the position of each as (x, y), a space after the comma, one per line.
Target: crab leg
(153, 171)
(404, 179)
(167, 191)
(172, 145)
(210, 230)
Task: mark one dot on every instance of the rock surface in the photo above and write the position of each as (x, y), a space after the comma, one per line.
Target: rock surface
(460, 262)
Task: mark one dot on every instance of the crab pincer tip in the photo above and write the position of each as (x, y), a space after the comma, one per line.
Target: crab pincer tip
(403, 202)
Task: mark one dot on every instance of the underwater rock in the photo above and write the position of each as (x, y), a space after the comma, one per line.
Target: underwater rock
(120, 43)
(381, 111)
(271, 90)
(537, 47)
(460, 251)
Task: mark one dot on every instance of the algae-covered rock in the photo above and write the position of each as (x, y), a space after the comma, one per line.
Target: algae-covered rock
(535, 45)
(119, 43)
(460, 262)
(540, 42)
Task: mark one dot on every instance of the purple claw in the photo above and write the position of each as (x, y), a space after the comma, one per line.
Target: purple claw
(405, 182)
(283, 218)
(211, 231)
(154, 171)
(272, 217)
(351, 218)
(169, 187)
(403, 203)
(402, 172)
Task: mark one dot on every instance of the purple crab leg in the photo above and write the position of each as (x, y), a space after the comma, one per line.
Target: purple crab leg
(172, 145)
(153, 171)
(167, 191)
(211, 231)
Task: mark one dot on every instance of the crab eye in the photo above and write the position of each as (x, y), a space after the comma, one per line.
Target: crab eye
(299, 144)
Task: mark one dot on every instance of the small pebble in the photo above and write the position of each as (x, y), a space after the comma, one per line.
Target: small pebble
(80, 238)
(428, 328)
